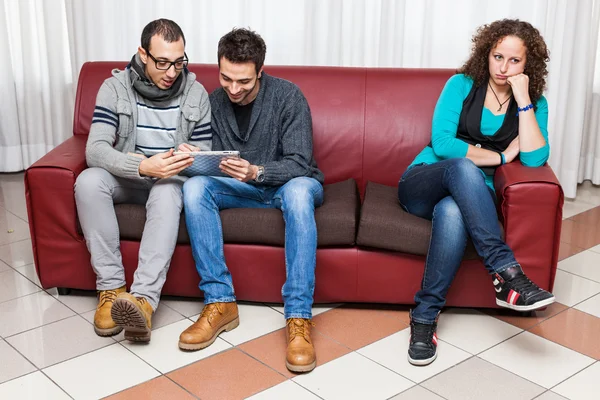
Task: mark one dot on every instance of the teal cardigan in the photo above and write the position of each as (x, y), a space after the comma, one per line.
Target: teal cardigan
(445, 124)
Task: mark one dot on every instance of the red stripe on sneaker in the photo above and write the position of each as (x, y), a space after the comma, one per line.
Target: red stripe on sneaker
(513, 297)
(435, 339)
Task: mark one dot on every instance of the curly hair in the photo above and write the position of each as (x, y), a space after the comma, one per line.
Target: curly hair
(242, 45)
(488, 36)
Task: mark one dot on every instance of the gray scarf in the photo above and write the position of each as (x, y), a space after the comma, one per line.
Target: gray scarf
(147, 89)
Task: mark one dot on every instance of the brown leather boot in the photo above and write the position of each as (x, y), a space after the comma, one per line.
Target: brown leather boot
(134, 314)
(103, 322)
(214, 319)
(300, 356)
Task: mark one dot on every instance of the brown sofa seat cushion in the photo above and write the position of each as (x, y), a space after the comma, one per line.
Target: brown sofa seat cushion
(336, 220)
(385, 225)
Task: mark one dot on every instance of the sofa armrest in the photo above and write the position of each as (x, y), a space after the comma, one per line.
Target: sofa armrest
(49, 191)
(69, 156)
(530, 202)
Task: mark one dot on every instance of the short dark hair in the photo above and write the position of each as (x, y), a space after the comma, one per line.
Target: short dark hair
(242, 45)
(167, 29)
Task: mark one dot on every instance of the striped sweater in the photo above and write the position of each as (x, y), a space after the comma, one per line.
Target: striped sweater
(125, 123)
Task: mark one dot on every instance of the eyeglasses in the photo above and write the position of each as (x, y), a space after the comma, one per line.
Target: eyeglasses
(165, 65)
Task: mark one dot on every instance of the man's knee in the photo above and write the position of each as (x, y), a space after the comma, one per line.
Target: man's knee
(167, 192)
(300, 193)
(91, 182)
(196, 188)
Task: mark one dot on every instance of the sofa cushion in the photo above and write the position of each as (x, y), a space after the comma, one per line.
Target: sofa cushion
(336, 220)
(385, 225)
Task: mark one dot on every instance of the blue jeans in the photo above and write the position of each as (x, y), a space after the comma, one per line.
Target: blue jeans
(204, 196)
(453, 195)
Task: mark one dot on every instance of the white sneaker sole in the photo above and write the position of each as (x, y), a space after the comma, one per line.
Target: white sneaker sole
(422, 362)
(531, 307)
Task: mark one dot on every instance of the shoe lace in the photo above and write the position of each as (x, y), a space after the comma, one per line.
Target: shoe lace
(522, 285)
(302, 329)
(422, 333)
(107, 296)
(142, 300)
(209, 311)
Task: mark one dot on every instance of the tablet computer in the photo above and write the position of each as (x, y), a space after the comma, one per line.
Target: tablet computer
(207, 162)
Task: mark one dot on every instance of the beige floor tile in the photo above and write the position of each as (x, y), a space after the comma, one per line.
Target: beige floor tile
(58, 341)
(29, 272)
(12, 228)
(590, 306)
(571, 289)
(585, 264)
(391, 352)
(183, 305)
(473, 331)
(345, 377)
(537, 359)
(4, 266)
(114, 366)
(30, 312)
(417, 393)
(477, 379)
(255, 320)
(583, 386)
(17, 254)
(12, 363)
(550, 395)
(35, 386)
(14, 285)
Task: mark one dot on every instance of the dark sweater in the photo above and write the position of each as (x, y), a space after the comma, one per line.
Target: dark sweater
(279, 136)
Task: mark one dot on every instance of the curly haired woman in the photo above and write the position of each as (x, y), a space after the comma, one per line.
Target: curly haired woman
(489, 113)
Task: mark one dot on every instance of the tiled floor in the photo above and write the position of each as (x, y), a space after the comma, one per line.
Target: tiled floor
(48, 349)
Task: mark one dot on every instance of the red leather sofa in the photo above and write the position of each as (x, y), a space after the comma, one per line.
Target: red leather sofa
(369, 123)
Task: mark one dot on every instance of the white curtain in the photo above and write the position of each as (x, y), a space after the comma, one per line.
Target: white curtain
(36, 99)
(589, 164)
(372, 33)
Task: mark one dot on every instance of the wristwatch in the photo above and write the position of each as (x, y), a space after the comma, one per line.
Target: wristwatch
(260, 174)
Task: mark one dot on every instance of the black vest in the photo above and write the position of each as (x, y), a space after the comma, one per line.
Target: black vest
(469, 125)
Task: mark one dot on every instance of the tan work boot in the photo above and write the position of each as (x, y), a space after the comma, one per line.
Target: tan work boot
(214, 319)
(134, 314)
(300, 356)
(103, 322)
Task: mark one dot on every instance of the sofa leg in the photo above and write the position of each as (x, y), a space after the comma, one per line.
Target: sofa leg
(63, 291)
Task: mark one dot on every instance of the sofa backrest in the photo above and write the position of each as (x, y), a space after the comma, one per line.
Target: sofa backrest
(368, 123)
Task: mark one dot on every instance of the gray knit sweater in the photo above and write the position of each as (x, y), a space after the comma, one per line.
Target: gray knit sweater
(279, 136)
(113, 132)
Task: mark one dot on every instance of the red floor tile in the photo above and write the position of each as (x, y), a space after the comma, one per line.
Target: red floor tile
(156, 389)
(358, 326)
(270, 349)
(228, 375)
(573, 329)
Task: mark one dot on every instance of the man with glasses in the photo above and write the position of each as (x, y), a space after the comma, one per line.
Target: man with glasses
(142, 114)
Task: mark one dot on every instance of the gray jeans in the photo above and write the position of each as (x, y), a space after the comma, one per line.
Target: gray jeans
(96, 193)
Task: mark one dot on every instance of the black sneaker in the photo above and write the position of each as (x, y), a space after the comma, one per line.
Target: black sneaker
(422, 349)
(515, 291)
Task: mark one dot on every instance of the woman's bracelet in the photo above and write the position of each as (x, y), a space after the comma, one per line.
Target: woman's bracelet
(502, 158)
(527, 107)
